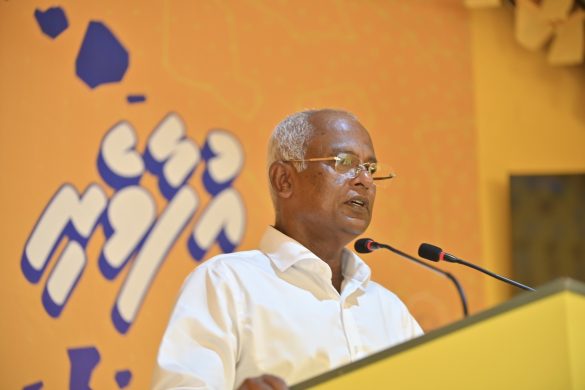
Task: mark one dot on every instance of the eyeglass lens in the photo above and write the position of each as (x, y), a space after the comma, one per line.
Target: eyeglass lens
(347, 163)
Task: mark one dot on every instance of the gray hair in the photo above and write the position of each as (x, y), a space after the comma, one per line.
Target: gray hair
(290, 138)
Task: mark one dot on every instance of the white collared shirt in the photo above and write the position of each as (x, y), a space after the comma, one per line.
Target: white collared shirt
(275, 311)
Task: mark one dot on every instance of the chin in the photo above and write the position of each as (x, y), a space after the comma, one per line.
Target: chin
(356, 227)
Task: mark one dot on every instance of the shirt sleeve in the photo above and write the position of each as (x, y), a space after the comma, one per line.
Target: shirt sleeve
(410, 325)
(199, 349)
(404, 325)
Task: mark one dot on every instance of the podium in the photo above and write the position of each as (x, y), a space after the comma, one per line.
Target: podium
(536, 340)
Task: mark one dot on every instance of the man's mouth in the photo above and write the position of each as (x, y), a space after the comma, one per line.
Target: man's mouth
(358, 201)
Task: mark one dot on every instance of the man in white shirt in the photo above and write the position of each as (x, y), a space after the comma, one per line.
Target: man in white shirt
(301, 304)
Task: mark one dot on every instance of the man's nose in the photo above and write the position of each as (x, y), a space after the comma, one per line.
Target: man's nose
(363, 176)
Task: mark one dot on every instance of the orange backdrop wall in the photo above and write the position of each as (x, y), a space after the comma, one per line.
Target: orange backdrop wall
(114, 189)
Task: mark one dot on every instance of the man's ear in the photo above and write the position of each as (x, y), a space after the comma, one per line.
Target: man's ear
(281, 180)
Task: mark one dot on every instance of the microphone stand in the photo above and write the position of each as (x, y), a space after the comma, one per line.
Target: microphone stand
(434, 253)
(493, 275)
(433, 268)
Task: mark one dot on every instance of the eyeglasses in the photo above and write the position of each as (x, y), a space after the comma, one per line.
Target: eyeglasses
(350, 164)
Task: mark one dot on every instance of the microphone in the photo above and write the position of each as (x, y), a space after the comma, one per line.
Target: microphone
(434, 253)
(367, 245)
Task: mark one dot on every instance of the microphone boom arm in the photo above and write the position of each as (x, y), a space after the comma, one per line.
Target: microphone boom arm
(493, 275)
(434, 253)
(437, 270)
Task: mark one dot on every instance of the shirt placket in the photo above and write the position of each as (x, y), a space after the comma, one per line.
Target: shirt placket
(348, 323)
(352, 335)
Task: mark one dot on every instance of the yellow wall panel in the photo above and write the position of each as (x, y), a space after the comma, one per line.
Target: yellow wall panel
(530, 119)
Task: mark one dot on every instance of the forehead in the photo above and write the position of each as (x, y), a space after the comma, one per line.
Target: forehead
(339, 132)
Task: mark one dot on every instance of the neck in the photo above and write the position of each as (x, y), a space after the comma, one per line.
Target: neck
(330, 251)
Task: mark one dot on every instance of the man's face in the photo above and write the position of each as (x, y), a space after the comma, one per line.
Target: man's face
(328, 202)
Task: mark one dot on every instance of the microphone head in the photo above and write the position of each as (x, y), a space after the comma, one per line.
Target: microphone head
(430, 252)
(364, 245)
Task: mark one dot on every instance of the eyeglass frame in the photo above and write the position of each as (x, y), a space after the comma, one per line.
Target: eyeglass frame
(362, 166)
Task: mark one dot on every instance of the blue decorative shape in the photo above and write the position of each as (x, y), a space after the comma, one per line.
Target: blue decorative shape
(51, 307)
(224, 243)
(168, 190)
(156, 168)
(211, 185)
(107, 270)
(33, 275)
(195, 250)
(135, 99)
(123, 378)
(151, 164)
(115, 181)
(199, 253)
(102, 58)
(34, 386)
(120, 323)
(52, 21)
(83, 362)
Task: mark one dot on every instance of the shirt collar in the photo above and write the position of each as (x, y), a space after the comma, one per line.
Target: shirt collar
(354, 268)
(285, 252)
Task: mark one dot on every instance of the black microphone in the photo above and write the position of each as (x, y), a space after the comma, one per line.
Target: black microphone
(434, 253)
(367, 245)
